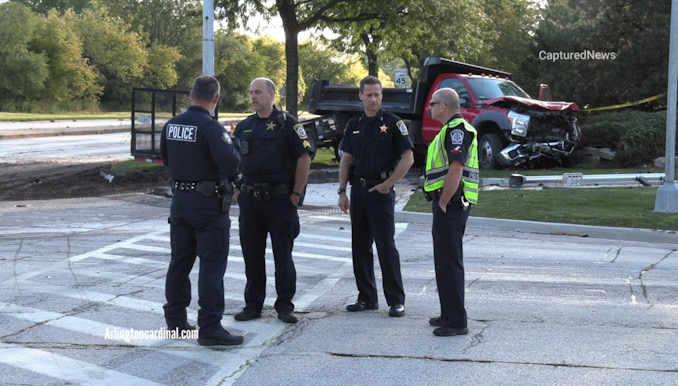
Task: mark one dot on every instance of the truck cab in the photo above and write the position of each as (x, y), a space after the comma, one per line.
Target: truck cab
(512, 127)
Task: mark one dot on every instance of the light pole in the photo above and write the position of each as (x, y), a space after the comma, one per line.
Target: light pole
(667, 195)
(208, 37)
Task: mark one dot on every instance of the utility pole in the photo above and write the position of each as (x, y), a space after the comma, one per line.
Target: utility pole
(667, 195)
(208, 37)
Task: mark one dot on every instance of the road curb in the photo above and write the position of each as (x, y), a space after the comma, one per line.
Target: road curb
(575, 230)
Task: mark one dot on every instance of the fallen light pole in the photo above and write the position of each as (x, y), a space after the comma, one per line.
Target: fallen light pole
(580, 179)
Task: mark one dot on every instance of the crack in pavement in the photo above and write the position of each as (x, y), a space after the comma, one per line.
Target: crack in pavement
(647, 269)
(489, 361)
(477, 339)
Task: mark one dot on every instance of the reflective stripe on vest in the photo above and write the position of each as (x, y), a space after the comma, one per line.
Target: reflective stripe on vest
(437, 163)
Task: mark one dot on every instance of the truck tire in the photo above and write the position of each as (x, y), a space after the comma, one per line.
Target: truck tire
(489, 147)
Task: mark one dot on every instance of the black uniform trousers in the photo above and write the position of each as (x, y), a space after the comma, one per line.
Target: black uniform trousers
(278, 217)
(197, 228)
(448, 231)
(372, 220)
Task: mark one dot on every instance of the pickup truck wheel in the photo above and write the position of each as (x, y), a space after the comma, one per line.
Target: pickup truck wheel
(489, 147)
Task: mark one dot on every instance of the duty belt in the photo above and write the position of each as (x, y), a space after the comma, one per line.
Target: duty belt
(264, 191)
(203, 187)
(367, 183)
(435, 194)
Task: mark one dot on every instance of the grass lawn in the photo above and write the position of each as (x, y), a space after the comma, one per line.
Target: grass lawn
(630, 207)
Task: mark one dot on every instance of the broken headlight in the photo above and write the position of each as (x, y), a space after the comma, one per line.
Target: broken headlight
(519, 123)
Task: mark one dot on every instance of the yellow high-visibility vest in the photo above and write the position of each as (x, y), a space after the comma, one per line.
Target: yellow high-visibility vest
(437, 163)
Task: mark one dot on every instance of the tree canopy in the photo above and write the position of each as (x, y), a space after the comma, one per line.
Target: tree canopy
(97, 50)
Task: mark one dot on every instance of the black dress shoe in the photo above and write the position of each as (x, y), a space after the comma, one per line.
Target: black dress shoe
(220, 338)
(436, 322)
(287, 317)
(246, 315)
(449, 331)
(397, 310)
(361, 306)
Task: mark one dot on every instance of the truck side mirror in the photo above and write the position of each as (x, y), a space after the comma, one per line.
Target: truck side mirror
(464, 102)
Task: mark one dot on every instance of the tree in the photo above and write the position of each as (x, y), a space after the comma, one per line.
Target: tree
(510, 26)
(119, 54)
(296, 16)
(316, 61)
(44, 6)
(70, 75)
(22, 72)
(164, 26)
(161, 70)
(235, 65)
(412, 30)
(167, 22)
(631, 38)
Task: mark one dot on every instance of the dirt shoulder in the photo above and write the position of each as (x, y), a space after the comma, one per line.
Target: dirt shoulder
(43, 181)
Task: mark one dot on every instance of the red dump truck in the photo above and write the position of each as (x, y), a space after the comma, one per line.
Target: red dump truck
(512, 127)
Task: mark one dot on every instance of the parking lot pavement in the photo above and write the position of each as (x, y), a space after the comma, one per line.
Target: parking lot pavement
(79, 278)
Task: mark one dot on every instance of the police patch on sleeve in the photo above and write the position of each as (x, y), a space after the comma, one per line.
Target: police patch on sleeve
(227, 138)
(457, 137)
(299, 129)
(402, 127)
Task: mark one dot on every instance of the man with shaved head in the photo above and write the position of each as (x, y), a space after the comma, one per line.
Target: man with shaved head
(452, 186)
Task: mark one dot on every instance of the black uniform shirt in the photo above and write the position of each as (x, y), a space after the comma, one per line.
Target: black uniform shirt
(376, 143)
(270, 148)
(197, 148)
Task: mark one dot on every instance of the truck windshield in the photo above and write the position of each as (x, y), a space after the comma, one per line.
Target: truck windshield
(488, 88)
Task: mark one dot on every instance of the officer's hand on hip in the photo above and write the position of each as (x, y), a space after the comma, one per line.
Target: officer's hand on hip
(343, 202)
(382, 188)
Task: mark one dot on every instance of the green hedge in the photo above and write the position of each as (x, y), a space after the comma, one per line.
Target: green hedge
(637, 137)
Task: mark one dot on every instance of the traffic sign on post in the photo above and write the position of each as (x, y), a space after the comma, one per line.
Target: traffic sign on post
(401, 77)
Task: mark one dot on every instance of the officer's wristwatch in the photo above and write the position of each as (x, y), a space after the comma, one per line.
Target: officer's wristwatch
(341, 190)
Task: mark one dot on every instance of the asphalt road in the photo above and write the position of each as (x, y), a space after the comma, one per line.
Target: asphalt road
(548, 303)
(77, 275)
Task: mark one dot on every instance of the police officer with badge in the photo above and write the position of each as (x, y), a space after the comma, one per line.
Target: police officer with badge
(452, 186)
(276, 159)
(377, 153)
(202, 161)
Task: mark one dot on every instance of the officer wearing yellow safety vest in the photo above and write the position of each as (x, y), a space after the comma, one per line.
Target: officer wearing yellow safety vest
(452, 186)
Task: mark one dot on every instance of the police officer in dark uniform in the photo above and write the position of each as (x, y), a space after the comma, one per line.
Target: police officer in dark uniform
(276, 160)
(377, 153)
(452, 186)
(201, 158)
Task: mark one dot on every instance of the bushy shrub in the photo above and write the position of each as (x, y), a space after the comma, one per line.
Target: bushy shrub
(637, 137)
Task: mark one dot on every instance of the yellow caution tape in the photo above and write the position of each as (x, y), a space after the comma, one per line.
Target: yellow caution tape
(627, 104)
